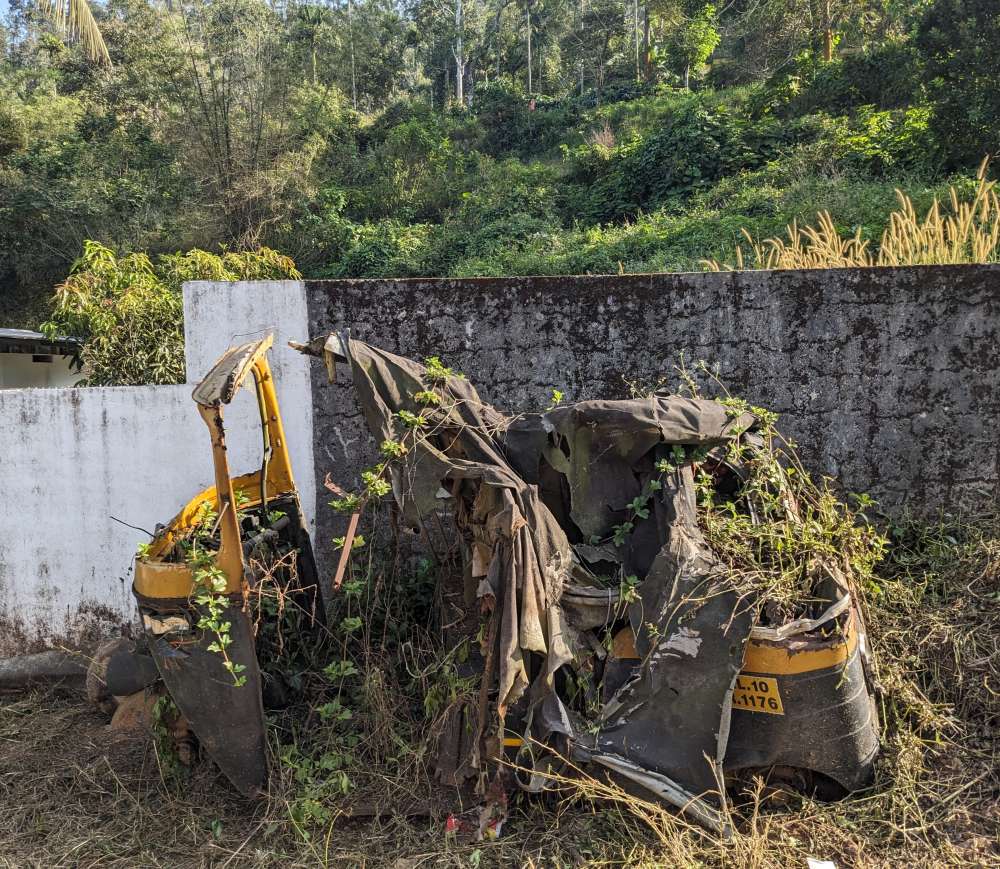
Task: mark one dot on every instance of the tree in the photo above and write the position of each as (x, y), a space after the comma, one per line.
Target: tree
(129, 311)
(458, 52)
(766, 35)
(692, 40)
(597, 39)
(307, 25)
(451, 32)
(362, 44)
(77, 20)
(226, 63)
(959, 40)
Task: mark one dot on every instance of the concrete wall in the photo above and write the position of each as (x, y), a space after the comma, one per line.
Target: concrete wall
(219, 315)
(70, 459)
(888, 379)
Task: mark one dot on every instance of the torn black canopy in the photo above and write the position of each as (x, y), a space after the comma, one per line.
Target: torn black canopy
(542, 499)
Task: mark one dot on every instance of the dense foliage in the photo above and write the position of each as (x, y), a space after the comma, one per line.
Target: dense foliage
(471, 137)
(128, 310)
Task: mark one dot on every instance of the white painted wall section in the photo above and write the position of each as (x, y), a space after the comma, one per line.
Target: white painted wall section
(71, 458)
(219, 315)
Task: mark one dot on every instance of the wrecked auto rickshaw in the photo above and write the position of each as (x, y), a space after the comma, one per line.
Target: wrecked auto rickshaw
(613, 637)
(194, 583)
(613, 640)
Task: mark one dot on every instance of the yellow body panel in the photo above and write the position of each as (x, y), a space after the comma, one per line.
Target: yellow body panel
(788, 658)
(766, 657)
(156, 578)
(161, 579)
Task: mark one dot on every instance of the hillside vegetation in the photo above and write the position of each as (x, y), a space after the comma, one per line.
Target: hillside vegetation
(344, 137)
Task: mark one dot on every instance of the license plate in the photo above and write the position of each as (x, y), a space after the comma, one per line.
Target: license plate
(757, 694)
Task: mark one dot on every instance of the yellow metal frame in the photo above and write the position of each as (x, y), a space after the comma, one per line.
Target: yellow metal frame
(157, 578)
(770, 658)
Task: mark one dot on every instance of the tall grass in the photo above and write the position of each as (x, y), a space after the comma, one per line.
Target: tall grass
(75, 793)
(968, 231)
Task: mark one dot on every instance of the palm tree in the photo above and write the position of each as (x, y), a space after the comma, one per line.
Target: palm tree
(76, 19)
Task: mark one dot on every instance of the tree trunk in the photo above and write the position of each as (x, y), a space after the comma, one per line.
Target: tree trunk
(687, 77)
(635, 34)
(354, 75)
(496, 32)
(647, 60)
(459, 60)
(527, 10)
(827, 32)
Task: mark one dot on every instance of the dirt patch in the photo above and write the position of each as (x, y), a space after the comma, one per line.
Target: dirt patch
(76, 794)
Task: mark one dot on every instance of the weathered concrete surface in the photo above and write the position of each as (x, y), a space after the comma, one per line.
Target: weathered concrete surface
(218, 315)
(72, 458)
(888, 379)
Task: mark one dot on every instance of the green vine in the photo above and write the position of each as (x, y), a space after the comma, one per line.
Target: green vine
(375, 484)
(775, 531)
(210, 595)
(210, 588)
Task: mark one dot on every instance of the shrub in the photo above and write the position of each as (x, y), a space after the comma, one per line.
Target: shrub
(693, 148)
(129, 312)
(958, 40)
(881, 142)
(510, 126)
(13, 131)
(506, 189)
(885, 77)
(385, 248)
(414, 171)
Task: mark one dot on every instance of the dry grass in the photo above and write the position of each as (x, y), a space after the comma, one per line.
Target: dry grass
(74, 796)
(968, 232)
(603, 137)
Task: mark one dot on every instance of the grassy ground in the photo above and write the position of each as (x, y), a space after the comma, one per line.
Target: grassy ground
(74, 794)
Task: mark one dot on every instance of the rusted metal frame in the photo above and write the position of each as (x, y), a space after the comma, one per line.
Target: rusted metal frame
(230, 555)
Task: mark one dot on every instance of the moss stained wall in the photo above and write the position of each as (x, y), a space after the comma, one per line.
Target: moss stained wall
(888, 379)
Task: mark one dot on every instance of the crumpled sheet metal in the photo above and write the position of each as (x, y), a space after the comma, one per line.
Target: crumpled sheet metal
(673, 717)
(530, 493)
(530, 557)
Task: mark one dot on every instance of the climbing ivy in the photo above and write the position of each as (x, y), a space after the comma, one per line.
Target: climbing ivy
(210, 595)
(375, 484)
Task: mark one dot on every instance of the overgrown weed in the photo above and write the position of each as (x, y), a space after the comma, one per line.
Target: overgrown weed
(74, 794)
